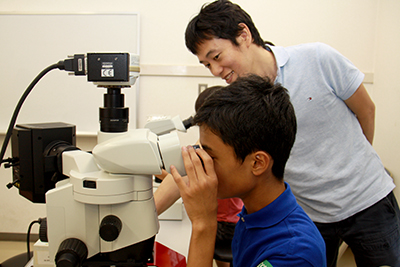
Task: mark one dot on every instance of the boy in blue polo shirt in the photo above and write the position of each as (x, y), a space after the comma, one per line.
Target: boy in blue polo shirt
(247, 130)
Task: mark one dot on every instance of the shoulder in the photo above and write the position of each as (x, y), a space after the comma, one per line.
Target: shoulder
(312, 49)
(304, 53)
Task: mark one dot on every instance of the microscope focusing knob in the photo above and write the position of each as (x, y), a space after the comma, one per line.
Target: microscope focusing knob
(110, 228)
(71, 253)
(43, 230)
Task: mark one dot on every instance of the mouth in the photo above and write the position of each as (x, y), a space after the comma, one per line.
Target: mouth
(228, 77)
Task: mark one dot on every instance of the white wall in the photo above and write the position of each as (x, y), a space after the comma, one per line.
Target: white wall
(365, 31)
(386, 87)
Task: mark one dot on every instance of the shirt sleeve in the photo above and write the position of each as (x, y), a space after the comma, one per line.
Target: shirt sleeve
(340, 74)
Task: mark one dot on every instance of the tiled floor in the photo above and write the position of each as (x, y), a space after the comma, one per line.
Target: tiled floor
(11, 248)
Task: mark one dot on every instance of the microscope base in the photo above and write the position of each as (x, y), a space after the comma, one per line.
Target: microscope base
(162, 257)
(135, 255)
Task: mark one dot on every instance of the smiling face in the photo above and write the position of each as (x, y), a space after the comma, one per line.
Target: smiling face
(224, 59)
(234, 176)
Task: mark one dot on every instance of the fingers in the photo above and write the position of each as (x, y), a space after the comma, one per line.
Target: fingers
(178, 178)
(189, 160)
(208, 164)
(199, 167)
(190, 171)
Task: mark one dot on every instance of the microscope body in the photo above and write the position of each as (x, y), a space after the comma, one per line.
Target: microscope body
(106, 205)
(100, 206)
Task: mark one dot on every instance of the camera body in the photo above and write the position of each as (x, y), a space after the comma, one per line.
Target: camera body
(36, 169)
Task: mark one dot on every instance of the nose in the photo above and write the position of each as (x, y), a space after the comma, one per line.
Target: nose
(216, 70)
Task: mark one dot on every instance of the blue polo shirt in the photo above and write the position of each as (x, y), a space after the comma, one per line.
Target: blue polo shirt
(280, 234)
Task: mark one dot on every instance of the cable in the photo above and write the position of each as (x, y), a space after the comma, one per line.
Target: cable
(75, 64)
(28, 237)
(59, 65)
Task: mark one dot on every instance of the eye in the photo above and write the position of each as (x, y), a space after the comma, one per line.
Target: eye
(207, 65)
(216, 57)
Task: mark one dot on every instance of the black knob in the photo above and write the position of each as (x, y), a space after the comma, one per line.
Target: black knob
(43, 230)
(71, 253)
(110, 228)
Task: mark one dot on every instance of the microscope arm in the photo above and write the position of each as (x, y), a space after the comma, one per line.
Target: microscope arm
(140, 152)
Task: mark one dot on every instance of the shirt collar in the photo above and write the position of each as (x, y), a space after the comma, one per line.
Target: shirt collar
(281, 55)
(272, 214)
(281, 58)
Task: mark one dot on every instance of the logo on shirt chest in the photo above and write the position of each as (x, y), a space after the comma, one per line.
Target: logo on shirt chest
(265, 264)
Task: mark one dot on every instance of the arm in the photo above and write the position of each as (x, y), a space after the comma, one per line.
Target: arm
(363, 107)
(199, 195)
(166, 194)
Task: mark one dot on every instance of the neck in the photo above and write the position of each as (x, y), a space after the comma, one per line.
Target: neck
(264, 194)
(264, 63)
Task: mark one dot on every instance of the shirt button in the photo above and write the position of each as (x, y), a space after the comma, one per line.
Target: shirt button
(242, 219)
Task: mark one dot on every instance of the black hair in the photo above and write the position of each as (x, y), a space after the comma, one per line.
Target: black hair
(203, 96)
(252, 114)
(219, 19)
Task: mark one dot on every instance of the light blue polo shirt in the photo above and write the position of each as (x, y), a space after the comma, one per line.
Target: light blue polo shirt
(280, 234)
(333, 170)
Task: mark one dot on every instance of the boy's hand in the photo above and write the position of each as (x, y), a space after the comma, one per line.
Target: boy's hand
(199, 192)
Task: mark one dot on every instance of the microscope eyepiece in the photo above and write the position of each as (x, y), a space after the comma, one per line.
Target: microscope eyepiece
(188, 122)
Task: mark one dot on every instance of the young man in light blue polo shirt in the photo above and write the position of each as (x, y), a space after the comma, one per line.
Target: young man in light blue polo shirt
(247, 130)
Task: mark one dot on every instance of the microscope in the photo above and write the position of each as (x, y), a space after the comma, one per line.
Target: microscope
(99, 204)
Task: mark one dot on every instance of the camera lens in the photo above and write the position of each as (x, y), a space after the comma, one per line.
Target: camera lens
(114, 117)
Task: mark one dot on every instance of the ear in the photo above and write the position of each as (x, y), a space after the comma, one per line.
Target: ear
(262, 162)
(245, 35)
